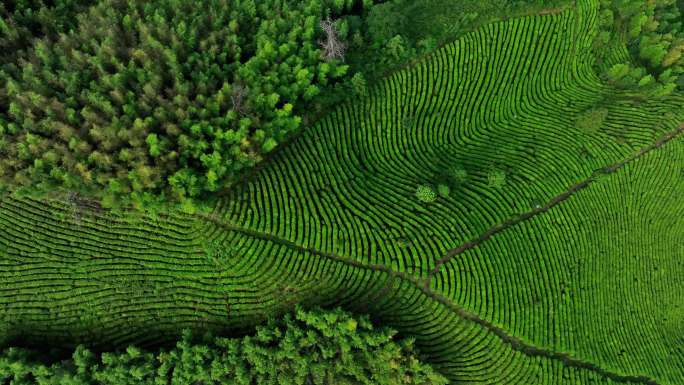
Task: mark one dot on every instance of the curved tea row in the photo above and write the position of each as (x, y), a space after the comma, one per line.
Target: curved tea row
(585, 292)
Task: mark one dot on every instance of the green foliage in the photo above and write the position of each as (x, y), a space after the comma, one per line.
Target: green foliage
(161, 100)
(324, 222)
(359, 86)
(618, 71)
(393, 32)
(443, 190)
(309, 347)
(179, 109)
(426, 194)
(396, 48)
(22, 21)
(591, 120)
(458, 175)
(269, 145)
(496, 178)
(383, 21)
(654, 34)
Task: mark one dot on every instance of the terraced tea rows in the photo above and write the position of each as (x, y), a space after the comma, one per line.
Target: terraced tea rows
(577, 279)
(333, 220)
(353, 177)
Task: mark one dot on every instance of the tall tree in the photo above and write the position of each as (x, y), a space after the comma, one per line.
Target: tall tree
(162, 100)
(309, 347)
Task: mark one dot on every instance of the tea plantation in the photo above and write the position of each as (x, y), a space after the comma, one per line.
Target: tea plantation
(498, 200)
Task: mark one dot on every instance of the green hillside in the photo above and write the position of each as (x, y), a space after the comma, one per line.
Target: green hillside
(549, 253)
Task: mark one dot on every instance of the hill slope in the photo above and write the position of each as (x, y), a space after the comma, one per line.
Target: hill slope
(564, 281)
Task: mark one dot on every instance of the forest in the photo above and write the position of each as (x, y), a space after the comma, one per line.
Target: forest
(341, 192)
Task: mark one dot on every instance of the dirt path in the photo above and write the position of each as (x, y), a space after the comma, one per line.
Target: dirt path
(423, 285)
(553, 202)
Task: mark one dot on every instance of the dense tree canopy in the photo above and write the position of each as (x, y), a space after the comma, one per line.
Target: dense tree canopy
(655, 37)
(155, 100)
(307, 348)
(23, 20)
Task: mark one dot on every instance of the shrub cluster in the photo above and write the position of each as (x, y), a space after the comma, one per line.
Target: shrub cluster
(145, 101)
(496, 178)
(309, 347)
(426, 194)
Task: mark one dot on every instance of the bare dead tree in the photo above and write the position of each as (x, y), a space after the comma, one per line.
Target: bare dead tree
(81, 205)
(237, 97)
(333, 47)
(76, 209)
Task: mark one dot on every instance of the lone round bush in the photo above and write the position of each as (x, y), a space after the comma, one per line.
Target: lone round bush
(426, 194)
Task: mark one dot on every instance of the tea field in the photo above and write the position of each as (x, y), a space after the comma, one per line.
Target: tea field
(549, 251)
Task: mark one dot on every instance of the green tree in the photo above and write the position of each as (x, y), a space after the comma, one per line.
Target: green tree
(618, 71)
(426, 194)
(316, 347)
(396, 48)
(443, 190)
(160, 100)
(655, 38)
(358, 82)
(458, 175)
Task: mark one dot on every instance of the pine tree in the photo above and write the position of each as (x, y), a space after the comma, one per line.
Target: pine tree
(165, 98)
